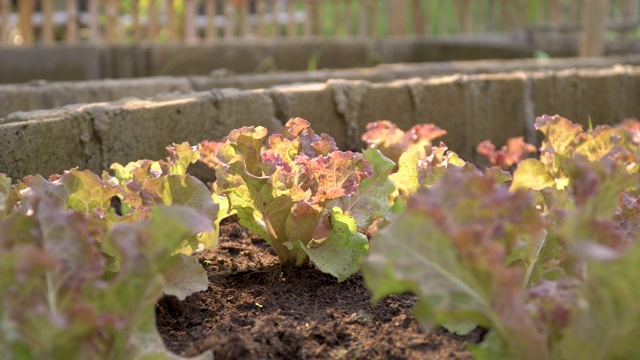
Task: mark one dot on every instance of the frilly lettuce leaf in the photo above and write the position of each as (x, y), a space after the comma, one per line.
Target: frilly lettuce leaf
(532, 174)
(393, 142)
(60, 299)
(147, 183)
(606, 323)
(512, 153)
(371, 200)
(450, 248)
(283, 187)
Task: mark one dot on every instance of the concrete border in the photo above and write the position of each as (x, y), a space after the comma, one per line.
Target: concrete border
(46, 95)
(88, 61)
(470, 107)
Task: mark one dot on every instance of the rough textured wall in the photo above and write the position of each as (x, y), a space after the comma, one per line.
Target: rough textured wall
(471, 108)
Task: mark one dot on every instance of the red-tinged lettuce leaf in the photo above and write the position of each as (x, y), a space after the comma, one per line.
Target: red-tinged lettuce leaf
(146, 183)
(342, 251)
(189, 191)
(552, 304)
(387, 137)
(565, 139)
(423, 167)
(180, 157)
(281, 191)
(308, 142)
(146, 249)
(627, 216)
(437, 161)
(606, 323)
(262, 201)
(372, 198)
(560, 134)
(78, 190)
(337, 174)
(450, 247)
(59, 299)
(393, 142)
(512, 153)
(596, 186)
(243, 149)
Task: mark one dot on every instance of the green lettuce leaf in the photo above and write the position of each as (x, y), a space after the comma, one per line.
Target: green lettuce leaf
(606, 324)
(184, 276)
(342, 251)
(371, 200)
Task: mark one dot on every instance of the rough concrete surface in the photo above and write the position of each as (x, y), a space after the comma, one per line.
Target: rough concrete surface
(43, 95)
(85, 61)
(445, 102)
(314, 102)
(56, 63)
(471, 108)
(95, 135)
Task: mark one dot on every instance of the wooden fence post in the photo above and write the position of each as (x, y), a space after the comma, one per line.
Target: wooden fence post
(418, 17)
(25, 9)
(335, 17)
(211, 29)
(291, 18)
(152, 29)
(189, 21)
(348, 17)
(171, 21)
(47, 22)
(112, 21)
(4, 21)
(242, 7)
(308, 23)
(94, 21)
(397, 17)
(631, 12)
(466, 17)
(363, 18)
(72, 22)
(594, 15)
(374, 19)
(137, 31)
(555, 12)
(275, 15)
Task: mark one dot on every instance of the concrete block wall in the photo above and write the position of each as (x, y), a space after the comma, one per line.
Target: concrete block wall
(471, 108)
(90, 61)
(95, 135)
(46, 95)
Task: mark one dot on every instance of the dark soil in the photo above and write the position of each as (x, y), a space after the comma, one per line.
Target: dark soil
(254, 309)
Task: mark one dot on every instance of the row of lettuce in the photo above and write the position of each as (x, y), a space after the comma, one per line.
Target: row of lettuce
(541, 251)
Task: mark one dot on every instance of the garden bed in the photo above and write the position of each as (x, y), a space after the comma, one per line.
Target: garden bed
(256, 309)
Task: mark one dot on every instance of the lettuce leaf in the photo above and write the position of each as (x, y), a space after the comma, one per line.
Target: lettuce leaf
(60, 299)
(450, 248)
(286, 188)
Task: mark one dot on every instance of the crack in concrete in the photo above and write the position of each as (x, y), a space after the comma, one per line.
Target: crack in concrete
(347, 97)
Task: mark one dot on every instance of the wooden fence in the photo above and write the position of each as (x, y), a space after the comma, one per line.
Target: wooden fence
(27, 22)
